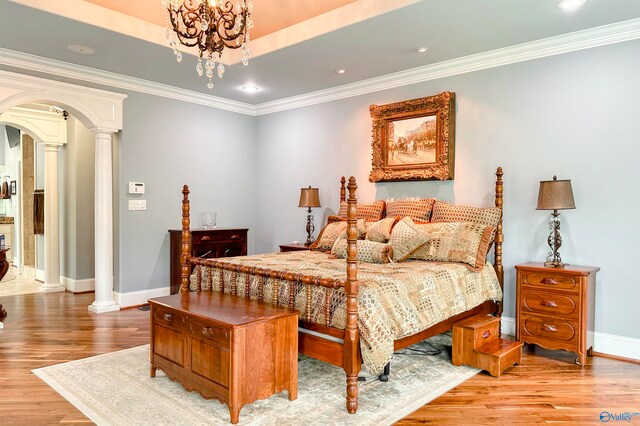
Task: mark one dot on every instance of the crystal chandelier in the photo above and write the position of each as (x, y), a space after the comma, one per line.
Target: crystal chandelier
(209, 25)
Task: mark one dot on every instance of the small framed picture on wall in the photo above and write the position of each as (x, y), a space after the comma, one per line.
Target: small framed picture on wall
(14, 189)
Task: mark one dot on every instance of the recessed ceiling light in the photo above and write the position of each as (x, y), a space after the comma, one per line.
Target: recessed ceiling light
(78, 48)
(422, 49)
(250, 88)
(341, 71)
(571, 5)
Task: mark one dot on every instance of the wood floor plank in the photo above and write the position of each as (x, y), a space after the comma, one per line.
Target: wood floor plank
(47, 329)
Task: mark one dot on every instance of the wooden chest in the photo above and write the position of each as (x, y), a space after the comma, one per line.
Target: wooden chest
(225, 347)
(555, 307)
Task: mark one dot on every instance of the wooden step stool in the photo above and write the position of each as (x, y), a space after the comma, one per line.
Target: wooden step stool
(477, 342)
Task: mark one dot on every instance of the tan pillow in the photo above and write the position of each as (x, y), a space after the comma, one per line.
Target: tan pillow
(443, 212)
(464, 242)
(418, 210)
(368, 251)
(371, 212)
(405, 239)
(380, 231)
(328, 236)
(361, 226)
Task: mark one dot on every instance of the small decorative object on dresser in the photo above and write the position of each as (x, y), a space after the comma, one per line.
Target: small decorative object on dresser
(555, 195)
(309, 198)
(293, 247)
(204, 243)
(555, 307)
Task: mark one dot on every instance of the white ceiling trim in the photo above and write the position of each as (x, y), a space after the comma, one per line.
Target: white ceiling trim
(107, 78)
(580, 40)
(571, 42)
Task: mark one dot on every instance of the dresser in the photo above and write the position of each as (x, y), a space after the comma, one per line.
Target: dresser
(205, 243)
(555, 307)
(293, 247)
(225, 347)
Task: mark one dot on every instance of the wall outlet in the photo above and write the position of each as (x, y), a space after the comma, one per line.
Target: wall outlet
(137, 204)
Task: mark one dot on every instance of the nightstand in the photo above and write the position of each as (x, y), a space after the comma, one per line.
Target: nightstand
(293, 247)
(555, 307)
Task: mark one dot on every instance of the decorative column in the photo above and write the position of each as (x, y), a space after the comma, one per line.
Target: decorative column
(104, 225)
(51, 223)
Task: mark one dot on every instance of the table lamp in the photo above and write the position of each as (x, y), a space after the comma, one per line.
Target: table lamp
(309, 198)
(555, 195)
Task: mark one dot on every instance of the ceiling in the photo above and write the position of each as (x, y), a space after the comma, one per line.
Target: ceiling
(367, 38)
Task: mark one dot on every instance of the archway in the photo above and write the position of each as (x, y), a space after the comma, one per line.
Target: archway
(101, 112)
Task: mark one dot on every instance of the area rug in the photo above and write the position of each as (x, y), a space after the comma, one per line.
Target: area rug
(115, 389)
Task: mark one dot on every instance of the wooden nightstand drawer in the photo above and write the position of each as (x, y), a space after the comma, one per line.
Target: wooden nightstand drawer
(550, 303)
(549, 328)
(169, 318)
(218, 236)
(550, 280)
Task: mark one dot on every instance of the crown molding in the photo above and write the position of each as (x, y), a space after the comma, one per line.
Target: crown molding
(78, 72)
(566, 43)
(571, 42)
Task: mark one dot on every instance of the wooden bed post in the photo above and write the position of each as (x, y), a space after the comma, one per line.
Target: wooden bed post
(497, 263)
(350, 354)
(185, 252)
(343, 196)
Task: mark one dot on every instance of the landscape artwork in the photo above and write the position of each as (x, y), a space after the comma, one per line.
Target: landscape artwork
(412, 141)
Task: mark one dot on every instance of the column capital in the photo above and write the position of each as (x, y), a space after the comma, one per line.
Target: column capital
(52, 146)
(102, 130)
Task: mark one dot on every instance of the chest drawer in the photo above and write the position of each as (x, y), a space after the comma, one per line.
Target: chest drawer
(549, 328)
(167, 318)
(550, 303)
(216, 335)
(218, 236)
(549, 280)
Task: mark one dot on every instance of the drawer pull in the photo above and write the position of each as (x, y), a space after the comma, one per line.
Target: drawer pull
(168, 317)
(549, 304)
(486, 334)
(235, 237)
(549, 281)
(208, 332)
(549, 328)
(205, 238)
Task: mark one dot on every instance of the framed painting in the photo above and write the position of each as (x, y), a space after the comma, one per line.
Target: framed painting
(414, 140)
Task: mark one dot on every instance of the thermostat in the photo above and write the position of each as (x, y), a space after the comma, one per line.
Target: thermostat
(136, 187)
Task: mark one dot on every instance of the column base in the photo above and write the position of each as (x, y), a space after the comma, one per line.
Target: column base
(102, 308)
(1, 326)
(52, 288)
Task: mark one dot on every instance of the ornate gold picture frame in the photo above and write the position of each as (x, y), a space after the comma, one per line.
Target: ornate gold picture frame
(414, 140)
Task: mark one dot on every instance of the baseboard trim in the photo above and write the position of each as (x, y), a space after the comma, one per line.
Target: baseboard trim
(39, 275)
(137, 298)
(603, 343)
(78, 286)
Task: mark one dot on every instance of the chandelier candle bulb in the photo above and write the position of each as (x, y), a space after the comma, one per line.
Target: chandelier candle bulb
(210, 26)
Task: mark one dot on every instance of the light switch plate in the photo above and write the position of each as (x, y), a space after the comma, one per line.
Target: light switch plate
(137, 204)
(136, 187)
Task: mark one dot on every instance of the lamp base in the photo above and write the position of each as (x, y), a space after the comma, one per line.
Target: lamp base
(550, 264)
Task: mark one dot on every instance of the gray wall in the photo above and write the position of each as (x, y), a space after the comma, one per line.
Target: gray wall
(79, 184)
(166, 144)
(573, 115)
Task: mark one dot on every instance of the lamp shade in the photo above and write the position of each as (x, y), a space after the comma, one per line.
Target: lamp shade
(555, 195)
(309, 197)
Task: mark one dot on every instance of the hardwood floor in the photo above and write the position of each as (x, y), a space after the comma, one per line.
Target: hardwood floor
(47, 329)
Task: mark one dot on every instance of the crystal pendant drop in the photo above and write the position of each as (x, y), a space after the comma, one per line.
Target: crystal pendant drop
(209, 73)
(179, 56)
(220, 70)
(210, 84)
(199, 67)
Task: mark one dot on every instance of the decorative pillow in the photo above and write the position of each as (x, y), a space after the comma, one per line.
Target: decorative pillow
(443, 212)
(328, 236)
(405, 239)
(372, 212)
(368, 251)
(380, 231)
(464, 242)
(361, 226)
(418, 210)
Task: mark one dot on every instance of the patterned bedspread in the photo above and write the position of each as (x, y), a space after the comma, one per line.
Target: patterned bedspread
(395, 300)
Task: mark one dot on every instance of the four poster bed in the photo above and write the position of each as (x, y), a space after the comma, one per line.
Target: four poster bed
(354, 318)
